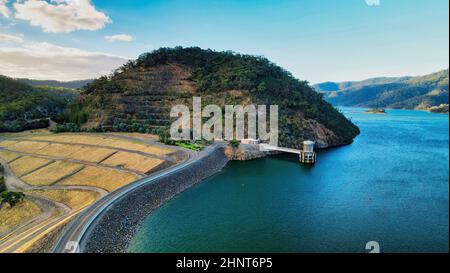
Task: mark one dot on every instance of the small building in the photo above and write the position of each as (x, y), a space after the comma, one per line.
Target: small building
(307, 155)
(250, 141)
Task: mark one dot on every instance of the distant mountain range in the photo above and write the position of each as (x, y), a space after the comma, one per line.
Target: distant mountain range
(52, 83)
(423, 92)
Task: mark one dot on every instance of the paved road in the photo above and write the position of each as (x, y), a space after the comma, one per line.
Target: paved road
(53, 213)
(12, 181)
(72, 240)
(32, 230)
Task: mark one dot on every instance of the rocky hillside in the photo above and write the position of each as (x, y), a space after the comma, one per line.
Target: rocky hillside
(421, 92)
(25, 107)
(139, 95)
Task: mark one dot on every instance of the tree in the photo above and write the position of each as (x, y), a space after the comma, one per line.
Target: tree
(2, 180)
(12, 198)
(262, 87)
(2, 184)
(234, 143)
(164, 136)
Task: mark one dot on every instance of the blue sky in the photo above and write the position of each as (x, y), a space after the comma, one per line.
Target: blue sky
(317, 40)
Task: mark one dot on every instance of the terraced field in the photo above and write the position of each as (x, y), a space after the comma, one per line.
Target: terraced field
(52, 173)
(75, 199)
(133, 161)
(106, 179)
(61, 174)
(8, 156)
(27, 164)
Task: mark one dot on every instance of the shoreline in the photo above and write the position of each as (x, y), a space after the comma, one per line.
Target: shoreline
(114, 229)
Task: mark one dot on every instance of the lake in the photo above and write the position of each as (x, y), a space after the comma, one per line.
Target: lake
(390, 186)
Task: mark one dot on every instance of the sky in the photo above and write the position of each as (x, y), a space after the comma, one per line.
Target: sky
(316, 40)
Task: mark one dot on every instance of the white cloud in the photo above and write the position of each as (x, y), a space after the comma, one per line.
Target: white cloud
(49, 61)
(4, 9)
(373, 2)
(10, 38)
(120, 38)
(61, 15)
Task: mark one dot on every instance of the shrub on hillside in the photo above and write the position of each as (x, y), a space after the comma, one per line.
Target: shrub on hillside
(234, 143)
(65, 128)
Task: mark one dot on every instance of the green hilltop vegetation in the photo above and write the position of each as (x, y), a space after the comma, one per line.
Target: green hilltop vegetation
(423, 92)
(138, 96)
(23, 107)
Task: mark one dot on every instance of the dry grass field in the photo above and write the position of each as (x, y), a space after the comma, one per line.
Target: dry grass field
(19, 214)
(75, 199)
(26, 164)
(132, 161)
(40, 158)
(109, 142)
(52, 173)
(134, 146)
(7, 143)
(106, 179)
(92, 154)
(135, 135)
(59, 150)
(25, 146)
(8, 156)
(77, 152)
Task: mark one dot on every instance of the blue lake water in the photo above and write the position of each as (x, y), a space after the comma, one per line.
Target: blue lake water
(391, 186)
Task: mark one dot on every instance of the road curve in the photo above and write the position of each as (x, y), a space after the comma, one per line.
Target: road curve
(72, 239)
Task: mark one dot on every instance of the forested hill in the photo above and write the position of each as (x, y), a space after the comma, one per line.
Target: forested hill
(424, 92)
(339, 86)
(52, 83)
(25, 107)
(139, 95)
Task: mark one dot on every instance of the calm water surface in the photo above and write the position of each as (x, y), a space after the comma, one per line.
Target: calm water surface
(391, 185)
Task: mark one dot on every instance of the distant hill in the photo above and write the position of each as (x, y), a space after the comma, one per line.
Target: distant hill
(52, 83)
(339, 86)
(420, 92)
(139, 95)
(25, 107)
